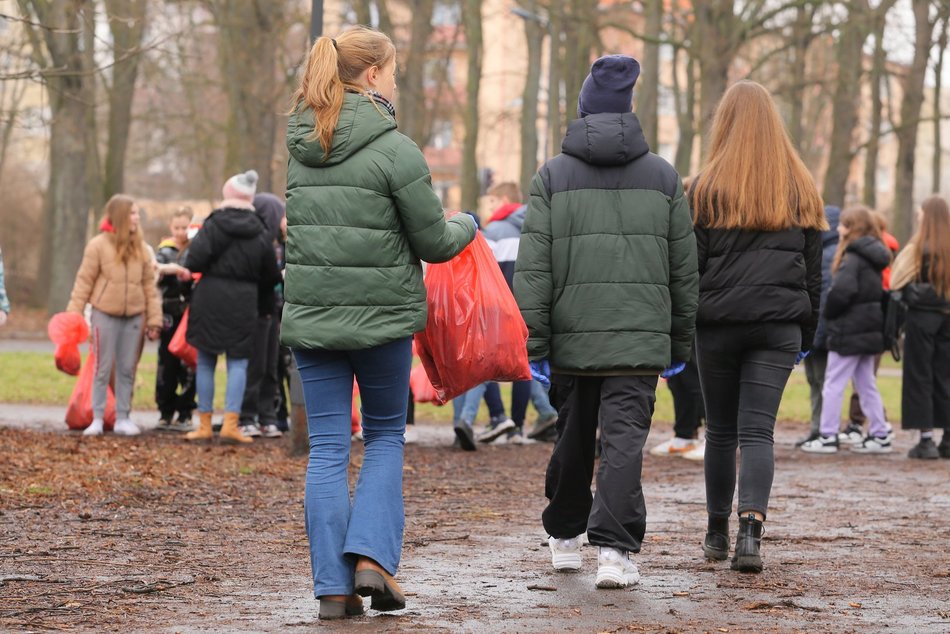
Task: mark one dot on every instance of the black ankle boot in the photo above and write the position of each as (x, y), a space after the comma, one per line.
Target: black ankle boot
(716, 545)
(747, 558)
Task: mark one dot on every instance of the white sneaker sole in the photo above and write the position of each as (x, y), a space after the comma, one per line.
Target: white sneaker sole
(820, 450)
(566, 562)
(860, 449)
(610, 579)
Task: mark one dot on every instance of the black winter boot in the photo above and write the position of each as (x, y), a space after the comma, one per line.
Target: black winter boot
(747, 558)
(716, 545)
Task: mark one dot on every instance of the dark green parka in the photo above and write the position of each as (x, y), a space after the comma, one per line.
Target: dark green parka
(358, 223)
(606, 275)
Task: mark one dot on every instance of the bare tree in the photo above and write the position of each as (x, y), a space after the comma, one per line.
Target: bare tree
(412, 98)
(472, 21)
(938, 91)
(913, 84)
(58, 32)
(14, 61)
(648, 93)
(534, 35)
(877, 76)
(127, 19)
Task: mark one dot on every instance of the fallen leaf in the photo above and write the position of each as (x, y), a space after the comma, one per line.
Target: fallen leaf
(855, 604)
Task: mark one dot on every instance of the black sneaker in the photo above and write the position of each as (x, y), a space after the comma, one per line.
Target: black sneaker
(164, 424)
(748, 542)
(810, 437)
(924, 450)
(944, 447)
(465, 436)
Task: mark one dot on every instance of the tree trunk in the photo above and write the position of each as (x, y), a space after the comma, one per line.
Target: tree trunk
(910, 121)
(127, 24)
(802, 36)
(248, 37)
(555, 126)
(938, 90)
(685, 114)
(878, 70)
(363, 11)
(850, 55)
(716, 30)
(472, 20)
(648, 85)
(412, 98)
(57, 34)
(534, 35)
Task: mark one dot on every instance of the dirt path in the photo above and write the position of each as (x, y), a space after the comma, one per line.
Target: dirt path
(96, 534)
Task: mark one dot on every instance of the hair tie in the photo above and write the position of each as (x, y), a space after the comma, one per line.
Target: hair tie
(334, 44)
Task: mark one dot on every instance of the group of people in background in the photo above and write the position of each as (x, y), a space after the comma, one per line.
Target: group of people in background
(623, 277)
(233, 311)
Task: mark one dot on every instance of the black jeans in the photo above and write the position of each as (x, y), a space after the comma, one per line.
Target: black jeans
(617, 515)
(688, 408)
(925, 396)
(171, 374)
(260, 394)
(743, 369)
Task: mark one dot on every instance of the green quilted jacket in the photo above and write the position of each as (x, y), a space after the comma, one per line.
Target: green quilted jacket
(358, 223)
(606, 275)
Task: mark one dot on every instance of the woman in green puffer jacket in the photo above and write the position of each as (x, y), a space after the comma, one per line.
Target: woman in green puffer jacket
(361, 215)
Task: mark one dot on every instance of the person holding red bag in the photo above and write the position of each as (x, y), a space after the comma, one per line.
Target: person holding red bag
(117, 277)
(607, 281)
(361, 214)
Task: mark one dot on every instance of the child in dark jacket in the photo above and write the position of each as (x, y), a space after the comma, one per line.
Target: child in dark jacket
(855, 325)
(172, 372)
(922, 274)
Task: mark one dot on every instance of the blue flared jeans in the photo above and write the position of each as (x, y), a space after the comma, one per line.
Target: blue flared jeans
(371, 523)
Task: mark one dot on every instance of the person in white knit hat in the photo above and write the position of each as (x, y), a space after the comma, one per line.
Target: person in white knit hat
(234, 254)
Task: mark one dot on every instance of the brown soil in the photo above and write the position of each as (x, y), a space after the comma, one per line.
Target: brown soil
(148, 535)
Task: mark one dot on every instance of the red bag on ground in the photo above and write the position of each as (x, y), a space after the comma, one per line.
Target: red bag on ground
(67, 331)
(179, 345)
(79, 410)
(421, 386)
(475, 332)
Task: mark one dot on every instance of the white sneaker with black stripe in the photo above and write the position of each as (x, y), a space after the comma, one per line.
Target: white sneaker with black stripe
(822, 444)
(873, 444)
(615, 570)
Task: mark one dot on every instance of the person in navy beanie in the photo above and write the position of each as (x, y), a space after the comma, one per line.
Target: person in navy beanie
(607, 280)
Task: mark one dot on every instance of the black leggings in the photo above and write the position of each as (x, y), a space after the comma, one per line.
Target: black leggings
(743, 369)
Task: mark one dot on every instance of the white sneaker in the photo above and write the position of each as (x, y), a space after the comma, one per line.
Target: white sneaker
(852, 435)
(872, 444)
(615, 570)
(126, 427)
(674, 447)
(251, 430)
(566, 553)
(492, 432)
(94, 429)
(822, 444)
(271, 431)
(697, 453)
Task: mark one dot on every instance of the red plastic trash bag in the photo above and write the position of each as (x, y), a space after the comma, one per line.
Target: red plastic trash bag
(79, 410)
(355, 414)
(179, 345)
(421, 386)
(67, 331)
(475, 332)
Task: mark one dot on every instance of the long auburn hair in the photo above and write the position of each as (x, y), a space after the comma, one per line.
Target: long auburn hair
(754, 178)
(332, 68)
(860, 221)
(933, 240)
(128, 245)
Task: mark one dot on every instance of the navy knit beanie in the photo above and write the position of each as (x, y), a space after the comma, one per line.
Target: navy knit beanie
(609, 86)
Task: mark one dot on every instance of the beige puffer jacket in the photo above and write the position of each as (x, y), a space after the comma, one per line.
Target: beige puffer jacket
(116, 288)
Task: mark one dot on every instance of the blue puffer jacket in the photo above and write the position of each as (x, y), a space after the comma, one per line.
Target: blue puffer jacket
(829, 245)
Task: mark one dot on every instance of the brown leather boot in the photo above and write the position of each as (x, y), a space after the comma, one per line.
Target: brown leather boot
(230, 432)
(204, 428)
(372, 581)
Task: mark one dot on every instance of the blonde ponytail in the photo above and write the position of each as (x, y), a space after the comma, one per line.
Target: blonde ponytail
(333, 67)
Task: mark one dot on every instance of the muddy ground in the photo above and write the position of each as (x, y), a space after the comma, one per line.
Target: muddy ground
(150, 535)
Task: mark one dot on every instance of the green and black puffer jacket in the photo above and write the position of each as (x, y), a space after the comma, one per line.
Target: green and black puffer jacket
(358, 223)
(606, 275)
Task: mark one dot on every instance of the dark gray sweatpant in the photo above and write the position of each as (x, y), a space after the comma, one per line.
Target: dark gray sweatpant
(623, 405)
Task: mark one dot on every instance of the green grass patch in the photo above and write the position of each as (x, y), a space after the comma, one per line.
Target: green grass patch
(39, 489)
(32, 378)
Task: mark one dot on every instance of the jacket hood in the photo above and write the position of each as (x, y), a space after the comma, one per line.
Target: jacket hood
(830, 237)
(271, 210)
(238, 223)
(872, 250)
(518, 216)
(606, 139)
(359, 125)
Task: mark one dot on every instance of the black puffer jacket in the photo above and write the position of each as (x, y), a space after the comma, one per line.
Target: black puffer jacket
(760, 276)
(235, 256)
(853, 309)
